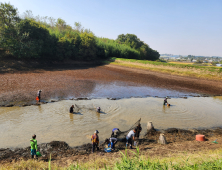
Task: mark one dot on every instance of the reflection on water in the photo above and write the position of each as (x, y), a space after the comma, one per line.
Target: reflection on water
(53, 121)
(121, 90)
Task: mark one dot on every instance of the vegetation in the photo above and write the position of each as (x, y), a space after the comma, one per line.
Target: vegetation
(209, 72)
(134, 160)
(30, 37)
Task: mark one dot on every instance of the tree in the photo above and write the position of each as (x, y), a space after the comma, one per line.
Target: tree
(8, 21)
(87, 47)
(61, 24)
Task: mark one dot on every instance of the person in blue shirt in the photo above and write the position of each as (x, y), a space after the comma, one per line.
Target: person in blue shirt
(115, 132)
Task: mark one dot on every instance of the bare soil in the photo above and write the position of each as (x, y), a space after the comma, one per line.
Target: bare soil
(62, 81)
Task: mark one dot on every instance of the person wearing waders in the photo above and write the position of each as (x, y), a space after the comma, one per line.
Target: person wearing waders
(39, 94)
(71, 109)
(98, 109)
(165, 101)
(34, 149)
(112, 142)
(95, 141)
(130, 137)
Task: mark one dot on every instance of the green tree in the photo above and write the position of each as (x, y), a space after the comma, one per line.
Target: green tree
(8, 22)
(87, 47)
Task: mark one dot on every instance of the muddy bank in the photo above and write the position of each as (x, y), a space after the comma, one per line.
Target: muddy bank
(73, 81)
(61, 150)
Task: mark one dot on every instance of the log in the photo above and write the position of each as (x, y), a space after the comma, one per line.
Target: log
(162, 139)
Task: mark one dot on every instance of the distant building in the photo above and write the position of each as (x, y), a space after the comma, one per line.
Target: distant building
(219, 65)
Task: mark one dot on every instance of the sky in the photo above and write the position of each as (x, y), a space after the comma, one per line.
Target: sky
(180, 27)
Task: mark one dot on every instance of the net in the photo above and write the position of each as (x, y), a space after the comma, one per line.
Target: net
(90, 107)
(122, 134)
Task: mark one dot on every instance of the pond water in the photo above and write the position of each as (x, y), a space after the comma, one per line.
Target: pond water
(53, 121)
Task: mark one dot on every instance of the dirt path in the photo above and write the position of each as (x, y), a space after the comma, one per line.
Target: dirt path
(80, 81)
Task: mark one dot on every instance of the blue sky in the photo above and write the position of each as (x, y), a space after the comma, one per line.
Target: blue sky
(168, 26)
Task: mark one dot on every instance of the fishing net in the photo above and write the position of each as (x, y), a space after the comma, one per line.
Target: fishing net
(90, 107)
(122, 134)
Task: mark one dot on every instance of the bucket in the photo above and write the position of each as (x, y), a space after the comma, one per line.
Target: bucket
(168, 104)
(200, 137)
(37, 98)
(108, 149)
(38, 154)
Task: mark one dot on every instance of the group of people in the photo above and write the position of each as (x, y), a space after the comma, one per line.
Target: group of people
(132, 136)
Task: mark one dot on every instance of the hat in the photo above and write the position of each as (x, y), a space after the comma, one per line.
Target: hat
(96, 131)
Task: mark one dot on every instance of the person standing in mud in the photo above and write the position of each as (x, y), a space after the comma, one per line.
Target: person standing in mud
(34, 149)
(130, 137)
(111, 142)
(71, 109)
(115, 132)
(95, 141)
(39, 94)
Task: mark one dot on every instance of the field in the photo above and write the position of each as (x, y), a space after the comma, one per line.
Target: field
(174, 68)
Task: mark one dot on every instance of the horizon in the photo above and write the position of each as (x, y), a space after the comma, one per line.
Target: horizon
(170, 27)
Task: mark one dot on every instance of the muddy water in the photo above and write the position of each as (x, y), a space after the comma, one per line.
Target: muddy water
(52, 121)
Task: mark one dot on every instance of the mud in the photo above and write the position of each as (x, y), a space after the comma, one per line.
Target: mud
(60, 150)
(74, 81)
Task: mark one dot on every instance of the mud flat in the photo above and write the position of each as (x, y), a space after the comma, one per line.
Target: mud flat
(67, 82)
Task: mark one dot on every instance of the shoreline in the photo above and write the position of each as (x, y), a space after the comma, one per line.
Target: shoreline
(34, 103)
(61, 150)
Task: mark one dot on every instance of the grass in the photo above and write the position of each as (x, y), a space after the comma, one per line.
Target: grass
(134, 160)
(205, 72)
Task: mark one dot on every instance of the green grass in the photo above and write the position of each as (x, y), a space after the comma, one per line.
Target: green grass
(131, 160)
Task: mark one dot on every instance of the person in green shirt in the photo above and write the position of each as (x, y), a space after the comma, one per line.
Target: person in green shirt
(34, 149)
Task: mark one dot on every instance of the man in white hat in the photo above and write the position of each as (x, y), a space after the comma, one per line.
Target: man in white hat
(95, 141)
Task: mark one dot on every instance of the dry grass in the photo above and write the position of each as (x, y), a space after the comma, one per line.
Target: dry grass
(190, 72)
(174, 62)
(176, 158)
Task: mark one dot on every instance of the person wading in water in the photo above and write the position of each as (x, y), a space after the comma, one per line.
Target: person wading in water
(71, 109)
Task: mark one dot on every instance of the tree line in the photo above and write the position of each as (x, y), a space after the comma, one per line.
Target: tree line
(29, 37)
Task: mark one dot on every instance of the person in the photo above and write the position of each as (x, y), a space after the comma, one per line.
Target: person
(95, 141)
(71, 109)
(115, 132)
(34, 149)
(165, 101)
(130, 137)
(39, 94)
(138, 130)
(111, 141)
(98, 109)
